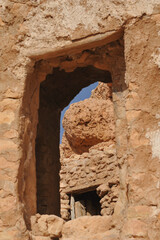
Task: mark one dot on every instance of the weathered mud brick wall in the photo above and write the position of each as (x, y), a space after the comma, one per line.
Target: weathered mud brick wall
(88, 156)
(142, 112)
(39, 41)
(89, 172)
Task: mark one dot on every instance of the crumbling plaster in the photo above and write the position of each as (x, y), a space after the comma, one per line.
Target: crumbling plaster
(35, 30)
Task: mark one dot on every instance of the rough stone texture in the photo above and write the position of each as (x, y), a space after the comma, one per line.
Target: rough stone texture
(89, 171)
(85, 163)
(88, 123)
(56, 92)
(103, 91)
(46, 225)
(39, 237)
(85, 124)
(31, 31)
(142, 112)
(97, 227)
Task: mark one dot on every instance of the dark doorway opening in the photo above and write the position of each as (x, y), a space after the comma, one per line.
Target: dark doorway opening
(56, 92)
(85, 204)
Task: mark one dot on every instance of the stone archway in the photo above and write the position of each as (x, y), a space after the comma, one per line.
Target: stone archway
(56, 92)
(58, 81)
(37, 36)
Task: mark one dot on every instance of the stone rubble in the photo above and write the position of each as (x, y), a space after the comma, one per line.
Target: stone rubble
(121, 37)
(91, 163)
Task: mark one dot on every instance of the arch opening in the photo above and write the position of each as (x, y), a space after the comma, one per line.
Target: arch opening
(50, 86)
(58, 89)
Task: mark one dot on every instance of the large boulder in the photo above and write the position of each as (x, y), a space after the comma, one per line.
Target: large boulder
(88, 123)
(46, 225)
(89, 227)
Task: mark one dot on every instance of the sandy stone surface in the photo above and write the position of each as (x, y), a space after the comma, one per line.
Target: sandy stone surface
(90, 171)
(37, 36)
(46, 225)
(86, 227)
(88, 123)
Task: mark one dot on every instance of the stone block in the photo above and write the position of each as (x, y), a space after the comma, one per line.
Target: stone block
(46, 225)
(135, 228)
(87, 227)
(103, 189)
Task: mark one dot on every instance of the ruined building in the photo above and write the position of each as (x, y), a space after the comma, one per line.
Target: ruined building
(89, 169)
(103, 182)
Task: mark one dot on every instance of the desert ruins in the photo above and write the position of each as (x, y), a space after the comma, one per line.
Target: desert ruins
(103, 181)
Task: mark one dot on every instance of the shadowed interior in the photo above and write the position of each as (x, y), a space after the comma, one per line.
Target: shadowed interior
(56, 92)
(87, 204)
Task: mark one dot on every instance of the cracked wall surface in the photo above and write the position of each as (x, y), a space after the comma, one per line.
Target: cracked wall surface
(37, 36)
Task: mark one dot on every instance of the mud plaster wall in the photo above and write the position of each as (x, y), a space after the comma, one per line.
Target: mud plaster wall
(20, 41)
(142, 107)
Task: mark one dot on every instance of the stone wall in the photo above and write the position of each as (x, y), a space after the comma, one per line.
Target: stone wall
(37, 36)
(88, 172)
(142, 109)
(88, 156)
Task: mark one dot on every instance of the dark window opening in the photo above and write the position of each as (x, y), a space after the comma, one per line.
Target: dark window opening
(85, 204)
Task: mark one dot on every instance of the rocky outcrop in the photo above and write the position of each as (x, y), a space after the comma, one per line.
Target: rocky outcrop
(95, 227)
(88, 156)
(46, 226)
(41, 40)
(103, 92)
(89, 122)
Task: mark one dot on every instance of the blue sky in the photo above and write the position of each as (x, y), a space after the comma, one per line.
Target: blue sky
(84, 93)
